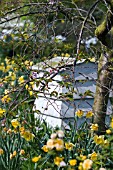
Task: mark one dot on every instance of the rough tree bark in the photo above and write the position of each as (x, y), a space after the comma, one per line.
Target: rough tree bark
(104, 33)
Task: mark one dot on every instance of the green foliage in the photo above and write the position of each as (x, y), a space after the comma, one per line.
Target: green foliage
(27, 143)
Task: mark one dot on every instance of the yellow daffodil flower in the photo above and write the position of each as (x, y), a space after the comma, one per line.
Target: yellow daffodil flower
(69, 146)
(79, 113)
(2, 112)
(72, 162)
(15, 123)
(94, 127)
(57, 160)
(36, 158)
(89, 114)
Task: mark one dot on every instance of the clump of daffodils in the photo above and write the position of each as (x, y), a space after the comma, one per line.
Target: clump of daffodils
(55, 142)
(99, 140)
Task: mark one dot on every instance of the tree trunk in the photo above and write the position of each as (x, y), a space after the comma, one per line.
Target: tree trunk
(103, 33)
(102, 91)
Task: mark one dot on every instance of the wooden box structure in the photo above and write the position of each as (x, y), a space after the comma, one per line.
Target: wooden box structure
(57, 110)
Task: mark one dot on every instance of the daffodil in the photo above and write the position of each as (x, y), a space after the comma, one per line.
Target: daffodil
(94, 127)
(9, 131)
(36, 158)
(11, 155)
(89, 114)
(21, 80)
(2, 112)
(98, 139)
(79, 113)
(80, 167)
(27, 135)
(72, 162)
(59, 144)
(15, 123)
(1, 151)
(50, 144)
(60, 133)
(57, 160)
(45, 148)
(111, 124)
(82, 157)
(87, 164)
(106, 143)
(56, 143)
(93, 156)
(5, 99)
(22, 152)
(14, 153)
(53, 135)
(108, 131)
(69, 146)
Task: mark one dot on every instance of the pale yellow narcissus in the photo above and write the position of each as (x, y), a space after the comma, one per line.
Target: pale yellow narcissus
(60, 133)
(9, 131)
(50, 144)
(87, 164)
(53, 135)
(56, 143)
(22, 152)
(59, 144)
(12, 155)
